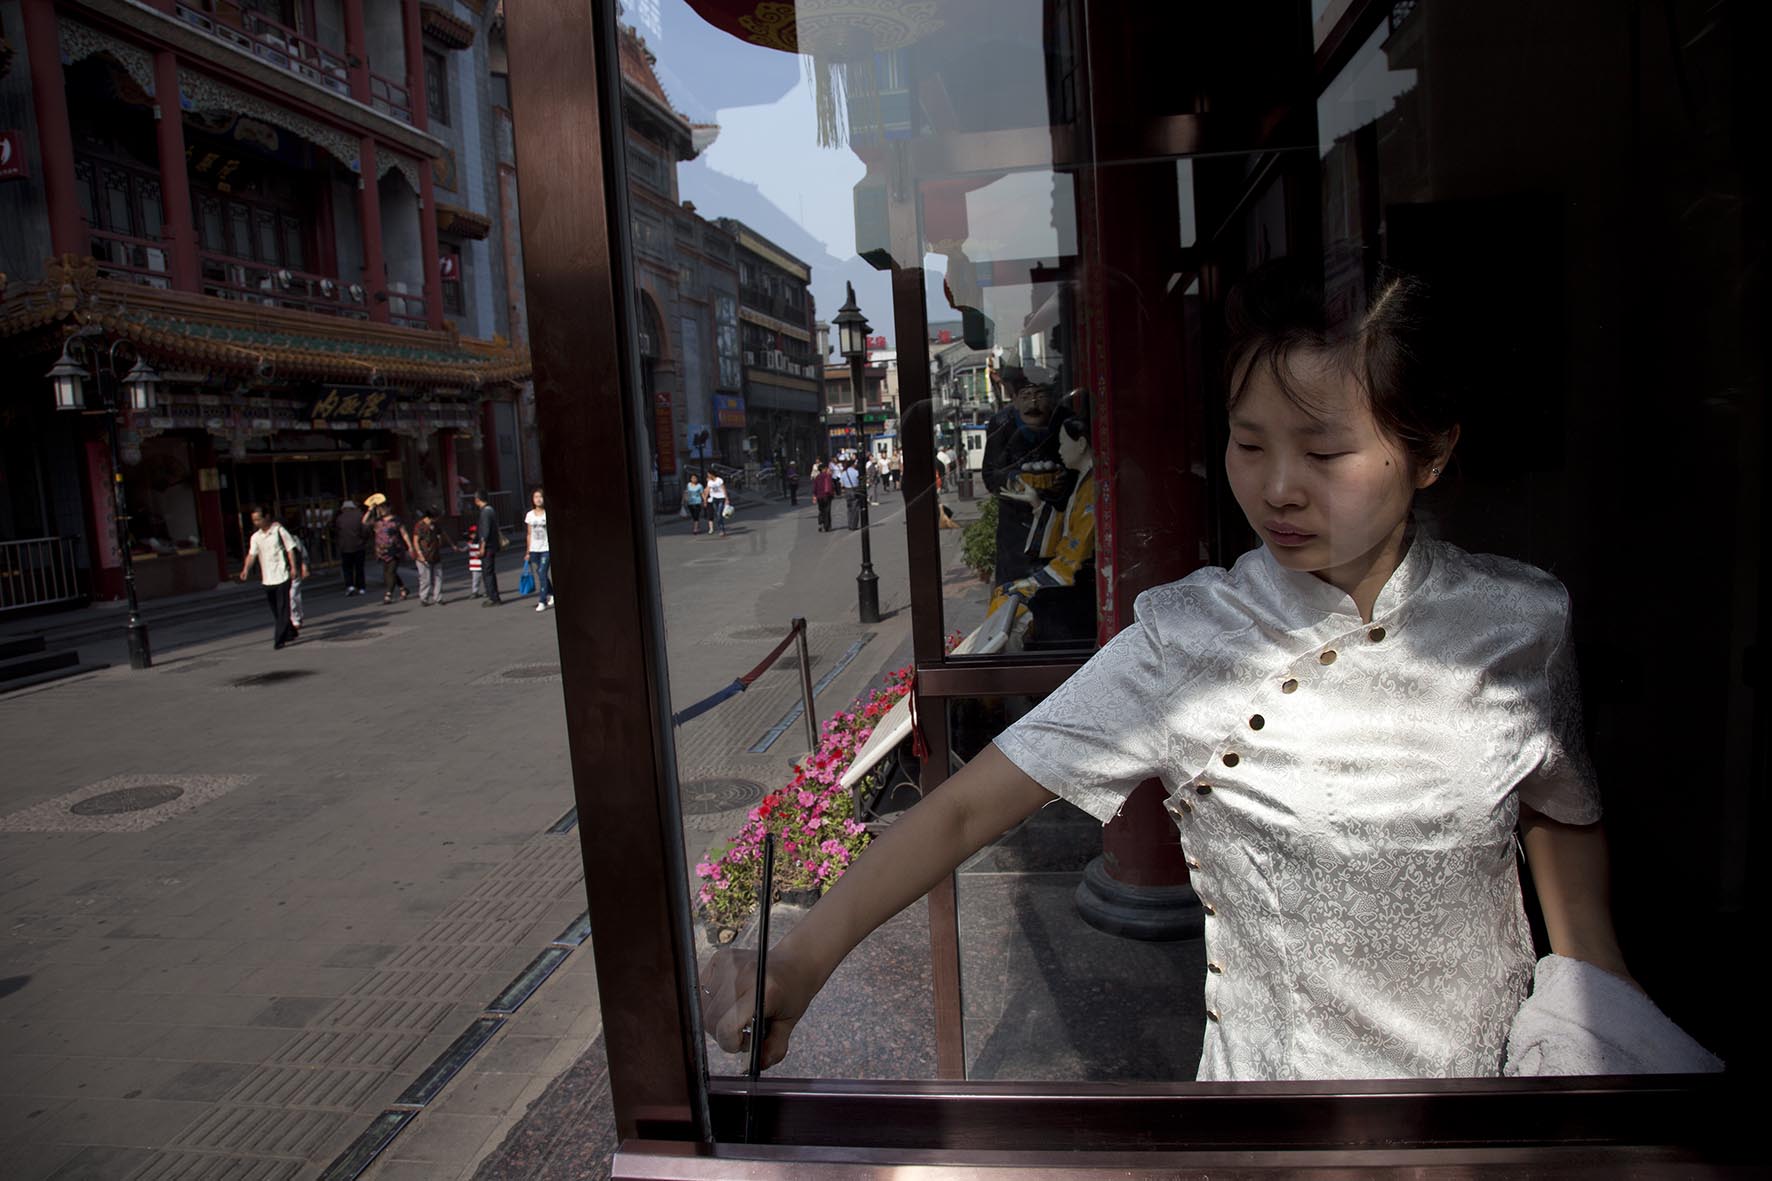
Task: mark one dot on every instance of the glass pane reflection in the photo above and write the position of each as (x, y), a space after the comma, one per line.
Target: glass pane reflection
(950, 143)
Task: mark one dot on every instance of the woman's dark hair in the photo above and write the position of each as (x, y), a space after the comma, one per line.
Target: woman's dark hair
(1392, 349)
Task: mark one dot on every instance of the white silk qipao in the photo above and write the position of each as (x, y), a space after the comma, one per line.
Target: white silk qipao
(1346, 794)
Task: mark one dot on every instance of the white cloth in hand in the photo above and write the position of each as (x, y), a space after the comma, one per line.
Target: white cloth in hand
(1581, 1019)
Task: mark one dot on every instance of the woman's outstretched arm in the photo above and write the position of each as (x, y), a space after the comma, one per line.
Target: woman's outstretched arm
(985, 799)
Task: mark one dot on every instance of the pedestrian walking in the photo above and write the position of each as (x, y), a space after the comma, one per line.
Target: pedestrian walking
(297, 575)
(392, 544)
(273, 551)
(824, 490)
(490, 543)
(716, 504)
(895, 470)
(476, 584)
(695, 495)
(535, 523)
(428, 539)
(876, 475)
(854, 496)
(353, 539)
(793, 479)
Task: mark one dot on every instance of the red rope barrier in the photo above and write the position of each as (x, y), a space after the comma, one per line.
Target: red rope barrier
(750, 678)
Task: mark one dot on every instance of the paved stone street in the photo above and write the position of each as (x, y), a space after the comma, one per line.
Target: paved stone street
(250, 896)
(262, 910)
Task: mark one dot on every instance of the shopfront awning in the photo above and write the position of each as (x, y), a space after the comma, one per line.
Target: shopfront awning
(221, 337)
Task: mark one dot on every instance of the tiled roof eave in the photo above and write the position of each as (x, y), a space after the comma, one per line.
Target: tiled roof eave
(224, 337)
(445, 27)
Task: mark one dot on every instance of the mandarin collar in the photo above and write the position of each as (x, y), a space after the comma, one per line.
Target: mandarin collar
(1315, 594)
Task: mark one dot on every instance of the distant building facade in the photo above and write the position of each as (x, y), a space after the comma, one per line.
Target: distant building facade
(284, 210)
(782, 368)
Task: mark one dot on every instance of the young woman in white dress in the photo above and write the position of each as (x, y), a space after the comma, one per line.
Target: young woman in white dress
(1351, 723)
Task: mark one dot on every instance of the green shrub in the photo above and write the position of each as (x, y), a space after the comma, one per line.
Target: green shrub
(978, 544)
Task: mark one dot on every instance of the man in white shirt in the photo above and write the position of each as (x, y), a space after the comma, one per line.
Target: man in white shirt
(849, 480)
(274, 550)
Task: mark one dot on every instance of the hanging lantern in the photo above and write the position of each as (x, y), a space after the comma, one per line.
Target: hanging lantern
(69, 382)
(142, 384)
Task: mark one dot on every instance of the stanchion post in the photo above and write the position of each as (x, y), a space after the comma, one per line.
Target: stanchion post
(806, 686)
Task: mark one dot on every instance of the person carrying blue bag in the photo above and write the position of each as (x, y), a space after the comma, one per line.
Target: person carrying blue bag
(535, 567)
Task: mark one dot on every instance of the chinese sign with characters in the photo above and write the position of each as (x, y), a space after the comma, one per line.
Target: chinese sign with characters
(347, 404)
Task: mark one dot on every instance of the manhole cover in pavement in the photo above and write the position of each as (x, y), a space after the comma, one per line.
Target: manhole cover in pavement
(274, 677)
(704, 796)
(531, 672)
(128, 799)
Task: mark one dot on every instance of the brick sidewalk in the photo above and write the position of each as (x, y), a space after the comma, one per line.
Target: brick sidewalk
(337, 856)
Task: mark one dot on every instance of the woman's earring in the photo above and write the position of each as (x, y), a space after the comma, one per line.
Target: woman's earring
(1433, 471)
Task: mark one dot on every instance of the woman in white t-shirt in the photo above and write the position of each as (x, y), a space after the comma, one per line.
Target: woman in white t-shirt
(716, 503)
(535, 523)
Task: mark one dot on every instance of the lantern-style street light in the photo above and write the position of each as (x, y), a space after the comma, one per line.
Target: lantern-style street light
(81, 361)
(852, 342)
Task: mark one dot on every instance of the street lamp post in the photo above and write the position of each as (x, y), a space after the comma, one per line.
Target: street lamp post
(852, 342)
(67, 377)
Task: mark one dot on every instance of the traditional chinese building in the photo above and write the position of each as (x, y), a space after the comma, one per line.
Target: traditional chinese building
(778, 415)
(686, 270)
(287, 210)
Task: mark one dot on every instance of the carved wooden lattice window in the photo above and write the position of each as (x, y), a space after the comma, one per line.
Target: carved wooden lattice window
(437, 87)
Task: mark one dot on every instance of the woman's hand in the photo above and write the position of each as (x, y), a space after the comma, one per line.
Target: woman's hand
(728, 984)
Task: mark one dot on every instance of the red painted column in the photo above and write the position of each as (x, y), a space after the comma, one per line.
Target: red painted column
(415, 65)
(55, 136)
(356, 52)
(395, 486)
(375, 270)
(489, 447)
(175, 184)
(210, 527)
(101, 515)
(444, 441)
(427, 242)
(427, 200)
(1149, 520)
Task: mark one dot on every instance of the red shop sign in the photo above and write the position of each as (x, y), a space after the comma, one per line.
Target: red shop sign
(12, 155)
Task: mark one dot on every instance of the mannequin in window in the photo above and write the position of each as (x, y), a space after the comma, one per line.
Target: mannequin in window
(1059, 592)
(1024, 434)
